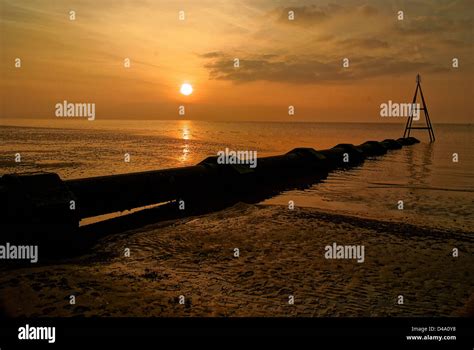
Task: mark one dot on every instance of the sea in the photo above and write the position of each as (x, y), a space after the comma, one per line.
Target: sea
(428, 184)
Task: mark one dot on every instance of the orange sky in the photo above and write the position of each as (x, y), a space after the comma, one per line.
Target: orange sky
(282, 62)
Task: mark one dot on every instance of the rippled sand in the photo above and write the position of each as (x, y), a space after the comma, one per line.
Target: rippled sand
(281, 254)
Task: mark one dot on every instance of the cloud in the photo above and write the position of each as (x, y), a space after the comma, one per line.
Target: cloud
(307, 70)
(308, 15)
(365, 43)
(452, 43)
(315, 14)
(212, 54)
(434, 24)
(368, 10)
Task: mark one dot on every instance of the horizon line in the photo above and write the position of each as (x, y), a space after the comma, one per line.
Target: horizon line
(236, 121)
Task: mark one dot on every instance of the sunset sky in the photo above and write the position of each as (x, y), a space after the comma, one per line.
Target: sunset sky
(282, 62)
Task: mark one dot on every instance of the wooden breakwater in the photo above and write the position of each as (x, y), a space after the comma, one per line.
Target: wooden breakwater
(40, 207)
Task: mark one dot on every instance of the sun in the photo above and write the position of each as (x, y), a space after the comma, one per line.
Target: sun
(186, 89)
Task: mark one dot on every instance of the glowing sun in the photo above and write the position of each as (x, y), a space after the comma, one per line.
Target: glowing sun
(186, 89)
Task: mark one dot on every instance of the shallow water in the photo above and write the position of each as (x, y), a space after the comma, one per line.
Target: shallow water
(435, 190)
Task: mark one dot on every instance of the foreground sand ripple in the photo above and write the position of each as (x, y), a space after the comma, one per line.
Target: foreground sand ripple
(281, 254)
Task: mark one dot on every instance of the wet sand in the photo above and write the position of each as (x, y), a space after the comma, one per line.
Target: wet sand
(281, 254)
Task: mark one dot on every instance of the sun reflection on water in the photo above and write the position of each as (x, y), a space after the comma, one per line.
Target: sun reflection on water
(185, 135)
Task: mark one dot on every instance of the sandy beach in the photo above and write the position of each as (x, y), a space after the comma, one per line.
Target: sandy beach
(281, 253)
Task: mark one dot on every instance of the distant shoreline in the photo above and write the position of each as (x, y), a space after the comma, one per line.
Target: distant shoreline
(386, 121)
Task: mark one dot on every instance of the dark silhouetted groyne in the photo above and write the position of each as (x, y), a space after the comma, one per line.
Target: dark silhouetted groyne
(40, 207)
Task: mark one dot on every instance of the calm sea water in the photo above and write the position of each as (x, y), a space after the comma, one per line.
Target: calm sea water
(435, 190)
